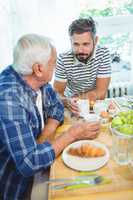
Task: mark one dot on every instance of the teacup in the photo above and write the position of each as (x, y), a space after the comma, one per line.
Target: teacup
(83, 105)
(92, 117)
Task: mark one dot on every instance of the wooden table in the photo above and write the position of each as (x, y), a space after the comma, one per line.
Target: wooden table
(121, 187)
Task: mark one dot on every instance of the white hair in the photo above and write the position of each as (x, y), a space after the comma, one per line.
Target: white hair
(31, 49)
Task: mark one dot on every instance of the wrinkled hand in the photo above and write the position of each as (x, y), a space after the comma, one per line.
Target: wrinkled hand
(85, 130)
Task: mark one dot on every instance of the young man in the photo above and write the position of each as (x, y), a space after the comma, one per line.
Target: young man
(26, 127)
(85, 70)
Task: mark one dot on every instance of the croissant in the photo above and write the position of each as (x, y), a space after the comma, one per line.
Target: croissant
(86, 150)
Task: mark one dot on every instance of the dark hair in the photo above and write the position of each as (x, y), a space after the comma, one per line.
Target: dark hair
(83, 25)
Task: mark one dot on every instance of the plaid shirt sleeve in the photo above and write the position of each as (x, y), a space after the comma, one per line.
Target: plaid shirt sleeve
(17, 136)
(53, 105)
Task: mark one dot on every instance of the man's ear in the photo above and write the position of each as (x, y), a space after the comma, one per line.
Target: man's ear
(96, 40)
(37, 69)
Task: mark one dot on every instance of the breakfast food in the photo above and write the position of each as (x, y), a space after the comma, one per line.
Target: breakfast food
(112, 108)
(86, 150)
(123, 122)
(105, 117)
(111, 105)
(104, 114)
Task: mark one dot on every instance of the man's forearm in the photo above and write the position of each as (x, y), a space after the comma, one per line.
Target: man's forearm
(93, 95)
(100, 94)
(48, 131)
(61, 142)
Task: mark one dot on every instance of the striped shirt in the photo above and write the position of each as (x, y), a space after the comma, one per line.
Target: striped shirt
(81, 77)
(20, 124)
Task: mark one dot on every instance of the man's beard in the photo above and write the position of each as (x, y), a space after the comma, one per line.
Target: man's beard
(83, 57)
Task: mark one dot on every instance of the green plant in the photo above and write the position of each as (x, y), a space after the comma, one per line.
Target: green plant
(117, 42)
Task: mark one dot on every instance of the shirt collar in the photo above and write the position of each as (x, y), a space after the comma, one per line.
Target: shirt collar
(23, 82)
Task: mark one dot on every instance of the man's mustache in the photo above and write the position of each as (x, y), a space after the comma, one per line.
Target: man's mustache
(82, 54)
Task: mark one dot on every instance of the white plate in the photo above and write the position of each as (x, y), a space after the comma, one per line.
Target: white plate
(85, 164)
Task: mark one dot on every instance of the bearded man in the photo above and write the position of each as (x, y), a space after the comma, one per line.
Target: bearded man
(85, 70)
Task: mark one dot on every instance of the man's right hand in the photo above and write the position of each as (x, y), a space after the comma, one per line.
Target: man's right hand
(79, 131)
(85, 130)
(73, 106)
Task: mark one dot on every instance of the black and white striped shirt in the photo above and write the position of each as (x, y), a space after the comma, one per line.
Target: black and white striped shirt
(81, 77)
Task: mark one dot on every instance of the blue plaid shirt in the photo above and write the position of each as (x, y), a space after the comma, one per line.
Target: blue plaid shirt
(20, 124)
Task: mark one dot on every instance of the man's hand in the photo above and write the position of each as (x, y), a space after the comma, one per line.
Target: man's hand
(49, 131)
(82, 130)
(92, 96)
(72, 102)
(73, 106)
(85, 130)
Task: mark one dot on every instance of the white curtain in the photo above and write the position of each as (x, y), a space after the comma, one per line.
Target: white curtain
(5, 32)
(47, 17)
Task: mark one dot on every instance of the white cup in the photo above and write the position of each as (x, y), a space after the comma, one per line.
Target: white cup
(83, 105)
(92, 117)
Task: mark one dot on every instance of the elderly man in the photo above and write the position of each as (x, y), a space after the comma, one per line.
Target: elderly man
(23, 118)
(85, 70)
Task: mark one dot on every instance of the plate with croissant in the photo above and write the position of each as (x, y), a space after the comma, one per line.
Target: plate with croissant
(86, 155)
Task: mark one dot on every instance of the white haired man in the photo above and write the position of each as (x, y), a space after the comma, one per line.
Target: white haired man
(22, 121)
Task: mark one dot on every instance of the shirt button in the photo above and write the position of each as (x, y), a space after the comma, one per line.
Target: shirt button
(33, 126)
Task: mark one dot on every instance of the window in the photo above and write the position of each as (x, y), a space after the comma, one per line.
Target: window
(114, 24)
(116, 33)
(53, 17)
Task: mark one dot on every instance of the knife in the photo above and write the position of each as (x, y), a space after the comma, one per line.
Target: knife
(77, 178)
